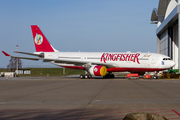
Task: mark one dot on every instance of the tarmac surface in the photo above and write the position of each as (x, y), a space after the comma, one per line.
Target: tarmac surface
(73, 98)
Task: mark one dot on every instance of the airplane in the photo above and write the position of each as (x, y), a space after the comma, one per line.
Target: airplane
(95, 63)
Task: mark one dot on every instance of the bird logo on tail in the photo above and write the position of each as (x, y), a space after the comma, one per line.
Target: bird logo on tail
(38, 39)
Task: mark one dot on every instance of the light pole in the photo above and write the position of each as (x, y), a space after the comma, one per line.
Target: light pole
(64, 71)
(17, 61)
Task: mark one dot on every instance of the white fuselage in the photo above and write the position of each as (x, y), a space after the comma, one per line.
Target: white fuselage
(119, 61)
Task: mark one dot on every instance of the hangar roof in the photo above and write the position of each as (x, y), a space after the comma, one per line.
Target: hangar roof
(161, 11)
(154, 16)
(165, 14)
(162, 7)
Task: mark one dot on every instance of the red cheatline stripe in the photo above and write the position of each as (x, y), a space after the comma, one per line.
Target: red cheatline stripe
(176, 112)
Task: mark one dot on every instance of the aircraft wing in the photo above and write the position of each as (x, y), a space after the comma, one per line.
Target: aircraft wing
(65, 61)
(80, 62)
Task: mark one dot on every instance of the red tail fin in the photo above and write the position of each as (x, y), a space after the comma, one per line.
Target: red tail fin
(40, 41)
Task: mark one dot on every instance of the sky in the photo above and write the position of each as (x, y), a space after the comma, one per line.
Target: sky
(77, 25)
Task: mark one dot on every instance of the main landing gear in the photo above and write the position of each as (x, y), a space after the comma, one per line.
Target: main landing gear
(85, 76)
(89, 76)
(109, 75)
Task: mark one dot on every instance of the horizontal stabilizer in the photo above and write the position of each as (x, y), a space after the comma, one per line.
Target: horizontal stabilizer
(26, 53)
(28, 58)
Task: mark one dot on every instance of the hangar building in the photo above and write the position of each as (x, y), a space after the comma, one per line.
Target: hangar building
(167, 18)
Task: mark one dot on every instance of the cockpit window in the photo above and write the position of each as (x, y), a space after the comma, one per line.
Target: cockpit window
(166, 58)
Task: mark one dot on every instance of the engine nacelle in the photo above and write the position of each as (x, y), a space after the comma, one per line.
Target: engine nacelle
(98, 70)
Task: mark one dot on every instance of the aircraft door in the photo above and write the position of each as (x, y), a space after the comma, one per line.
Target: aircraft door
(153, 61)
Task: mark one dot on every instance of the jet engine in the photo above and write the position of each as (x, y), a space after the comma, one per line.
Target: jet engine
(98, 70)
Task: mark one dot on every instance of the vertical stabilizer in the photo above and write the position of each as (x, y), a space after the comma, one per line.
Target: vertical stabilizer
(40, 41)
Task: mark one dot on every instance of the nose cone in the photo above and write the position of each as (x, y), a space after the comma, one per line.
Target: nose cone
(173, 63)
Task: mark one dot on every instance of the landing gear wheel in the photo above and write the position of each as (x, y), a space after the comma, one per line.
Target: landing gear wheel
(82, 76)
(109, 75)
(86, 76)
(112, 76)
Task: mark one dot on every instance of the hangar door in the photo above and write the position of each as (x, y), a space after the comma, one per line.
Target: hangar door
(164, 43)
(175, 46)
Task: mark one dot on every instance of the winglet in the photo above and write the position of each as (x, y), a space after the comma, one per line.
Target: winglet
(5, 54)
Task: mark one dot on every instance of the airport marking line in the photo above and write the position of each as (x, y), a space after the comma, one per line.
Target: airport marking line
(176, 112)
